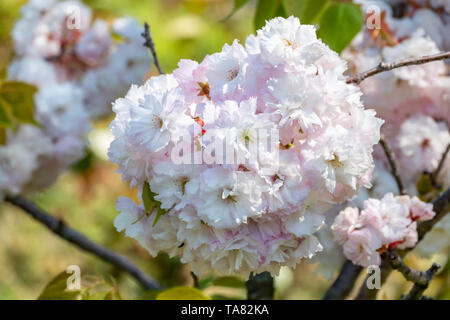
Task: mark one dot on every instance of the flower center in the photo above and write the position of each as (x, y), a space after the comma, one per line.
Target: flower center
(232, 74)
(335, 162)
(204, 89)
(157, 122)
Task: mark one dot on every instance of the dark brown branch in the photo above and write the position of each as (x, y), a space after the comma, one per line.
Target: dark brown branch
(441, 206)
(435, 174)
(364, 292)
(195, 279)
(420, 278)
(260, 286)
(382, 67)
(417, 290)
(391, 159)
(81, 241)
(151, 46)
(344, 282)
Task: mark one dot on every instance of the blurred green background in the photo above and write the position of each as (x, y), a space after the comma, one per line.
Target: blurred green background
(30, 255)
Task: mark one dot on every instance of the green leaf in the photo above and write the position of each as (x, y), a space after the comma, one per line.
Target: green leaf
(85, 163)
(205, 282)
(237, 5)
(426, 190)
(312, 10)
(182, 293)
(281, 11)
(159, 213)
(306, 10)
(265, 10)
(424, 185)
(339, 24)
(57, 289)
(149, 295)
(20, 96)
(229, 281)
(150, 203)
(6, 119)
(3, 136)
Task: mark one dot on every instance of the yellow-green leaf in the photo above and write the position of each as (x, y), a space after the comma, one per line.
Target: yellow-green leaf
(308, 11)
(151, 204)
(57, 289)
(237, 5)
(20, 96)
(424, 184)
(182, 293)
(3, 136)
(339, 24)
(229, 281)
(6, 119)
(266, 10)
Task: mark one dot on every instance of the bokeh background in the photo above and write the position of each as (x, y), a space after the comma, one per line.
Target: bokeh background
(30, 255)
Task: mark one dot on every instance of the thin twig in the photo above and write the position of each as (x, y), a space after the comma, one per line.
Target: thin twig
(81, 241)
(441, 206)
(343, 284)
(417, 290)
(195, 278)
(149, 44)
(391, 158)
(382, 67)
(420, 278)
(436, 172)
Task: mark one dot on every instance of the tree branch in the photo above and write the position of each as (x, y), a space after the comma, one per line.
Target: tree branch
(441, 206)
(344, 283)
(149, 44)
(391, 158)
(260, 286)
(436, 172)
(421, 279)
(417, 290)
(195, 279)
(81, 241)
(382, 67)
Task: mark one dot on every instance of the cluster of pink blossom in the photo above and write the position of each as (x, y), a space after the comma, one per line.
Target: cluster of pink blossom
(299, 138)
(383, 224)
(414, 101)
(79, 70)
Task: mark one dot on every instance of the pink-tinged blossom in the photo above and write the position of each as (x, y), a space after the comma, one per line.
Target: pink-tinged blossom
(361, 247)
(383, 224)
(421, 142)
(270, 137)
(419, 210)
(78, 71)
(346, 221)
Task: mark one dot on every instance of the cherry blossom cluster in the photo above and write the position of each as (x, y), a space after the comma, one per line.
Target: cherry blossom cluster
(414, 101)
(79, 68)
(383, 224)
(299, 137)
